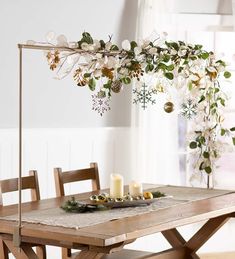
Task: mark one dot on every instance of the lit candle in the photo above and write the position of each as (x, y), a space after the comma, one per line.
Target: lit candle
(116, 186)
(135, 189)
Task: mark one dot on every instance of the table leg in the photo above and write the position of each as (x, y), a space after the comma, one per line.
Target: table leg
(199, 239)
(41, 251)
(3, 250)
(174, 237)
(205, 233)
(25, 252)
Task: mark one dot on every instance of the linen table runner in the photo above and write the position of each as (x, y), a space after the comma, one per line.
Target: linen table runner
(58, 217)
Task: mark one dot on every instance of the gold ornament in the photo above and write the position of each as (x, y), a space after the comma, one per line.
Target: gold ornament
(168, 107)
(148, 195)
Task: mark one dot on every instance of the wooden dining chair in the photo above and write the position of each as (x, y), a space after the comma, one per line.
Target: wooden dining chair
(61, 178)
(11, 185)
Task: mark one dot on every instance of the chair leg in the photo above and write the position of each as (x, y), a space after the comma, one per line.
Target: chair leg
(3, 250)
(41, 252)
(66, 253)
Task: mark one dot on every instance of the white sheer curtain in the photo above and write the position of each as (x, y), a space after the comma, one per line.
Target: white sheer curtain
(154, 132)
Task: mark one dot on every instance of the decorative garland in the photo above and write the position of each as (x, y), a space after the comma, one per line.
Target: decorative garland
(105, 69)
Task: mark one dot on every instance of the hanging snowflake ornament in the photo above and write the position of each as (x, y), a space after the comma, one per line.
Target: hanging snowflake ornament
(189, 109)
(100, 103)
(144, 96)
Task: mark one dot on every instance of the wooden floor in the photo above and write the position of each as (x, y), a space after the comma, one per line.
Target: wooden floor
(225, 255)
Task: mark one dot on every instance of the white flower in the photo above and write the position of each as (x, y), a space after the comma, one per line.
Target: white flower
(145, 44)
(97, 73)
(50, 36)
(126, 45)
(98, 55)
(108, 45)
(62, 41)
(211, 69)
(123, 71)
(137, 50)
(85, 46)
(96, 45)
(220, 68)
(111, 62)
(90, 47)
(173, 52)
(182, 52)
(153, 51)
(73, 44)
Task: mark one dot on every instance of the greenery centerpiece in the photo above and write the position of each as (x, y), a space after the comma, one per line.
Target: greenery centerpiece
(195, 73)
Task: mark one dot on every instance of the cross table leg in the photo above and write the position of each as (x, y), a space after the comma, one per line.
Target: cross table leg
(199, 239)
(174, 237)
(25, 252)
(3, 250)
(206, 231)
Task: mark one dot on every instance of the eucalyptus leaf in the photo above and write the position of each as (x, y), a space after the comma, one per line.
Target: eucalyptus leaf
(193, 145)
(92, 84)
(227, 74)
(208, 169)
(204, 55)
(206, 154)
(169, 75)
(222, 132)
(126, 80)
(233, 140)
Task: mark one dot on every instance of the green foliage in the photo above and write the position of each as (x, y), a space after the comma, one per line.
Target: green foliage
(126, 80)
(193, 145)
(158, 194)
(206, 154)
(222, 132)
(208, 169)
(233, 139)
(227, 74)
(86, 37)
(169, 75)
(74, 206)
(114, 48)
(92, 84)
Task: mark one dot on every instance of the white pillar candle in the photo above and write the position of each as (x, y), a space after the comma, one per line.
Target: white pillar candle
(116, 186)
(135, 189)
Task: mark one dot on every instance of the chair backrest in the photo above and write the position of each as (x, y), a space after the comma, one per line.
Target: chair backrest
(28, 182)
(90, 173)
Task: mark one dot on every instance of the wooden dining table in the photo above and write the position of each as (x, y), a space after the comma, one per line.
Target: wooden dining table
(107, 239)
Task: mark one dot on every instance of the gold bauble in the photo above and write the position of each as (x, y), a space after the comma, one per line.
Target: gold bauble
(168, 107)
(148, 195)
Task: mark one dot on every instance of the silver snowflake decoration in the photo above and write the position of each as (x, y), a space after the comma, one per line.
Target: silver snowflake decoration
(144, 96)
(100, 104)
(189, 109)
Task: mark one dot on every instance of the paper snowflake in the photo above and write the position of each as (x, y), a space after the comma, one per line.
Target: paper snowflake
(144, 96)
(100, 104)
(189, 109)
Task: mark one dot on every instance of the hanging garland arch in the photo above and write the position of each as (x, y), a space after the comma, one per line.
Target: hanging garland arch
(106, 69)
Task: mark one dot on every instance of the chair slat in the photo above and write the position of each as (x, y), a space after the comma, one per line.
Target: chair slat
(62, 178)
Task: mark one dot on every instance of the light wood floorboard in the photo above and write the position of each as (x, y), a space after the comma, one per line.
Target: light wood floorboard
(225, 255)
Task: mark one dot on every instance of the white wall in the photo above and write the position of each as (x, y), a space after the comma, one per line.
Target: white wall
(47, 102)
